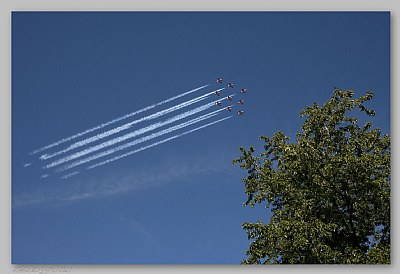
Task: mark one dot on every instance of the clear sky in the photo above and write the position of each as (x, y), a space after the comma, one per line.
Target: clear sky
(180, 201)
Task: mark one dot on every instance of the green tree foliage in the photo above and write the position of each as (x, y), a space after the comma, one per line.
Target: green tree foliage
(329, 193)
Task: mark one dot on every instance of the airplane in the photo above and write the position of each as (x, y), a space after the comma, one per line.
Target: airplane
(243, 90)
(217, 93)
(231, 85)
(229, 109)
(218, 103)
(219, 80)
(240, 112)
(241, 102)
(229, 98)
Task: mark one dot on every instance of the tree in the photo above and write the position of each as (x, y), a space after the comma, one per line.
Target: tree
(329, 193)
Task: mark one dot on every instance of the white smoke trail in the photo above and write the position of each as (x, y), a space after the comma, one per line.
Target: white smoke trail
(66, 176)
(115, 120)
(154, 144)
(140, 140)
(126, 126)
(128, 136)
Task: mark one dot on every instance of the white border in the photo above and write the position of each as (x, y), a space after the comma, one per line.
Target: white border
(7, 6)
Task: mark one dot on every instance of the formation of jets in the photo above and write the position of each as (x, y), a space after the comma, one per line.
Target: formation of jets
(229, 97)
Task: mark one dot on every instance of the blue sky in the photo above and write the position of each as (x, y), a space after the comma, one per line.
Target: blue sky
(181, 201)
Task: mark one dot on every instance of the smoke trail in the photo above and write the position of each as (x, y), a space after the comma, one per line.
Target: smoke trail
(154, 144)
(128, 136)
(126, 126)
(140, 140)
(66, 176)
(115, 120)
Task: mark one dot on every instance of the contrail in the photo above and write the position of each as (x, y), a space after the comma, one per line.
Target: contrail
(129, 135)
(140, 140)
(66, 176)
(127, 126)
(154, 144)
(115, 120)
